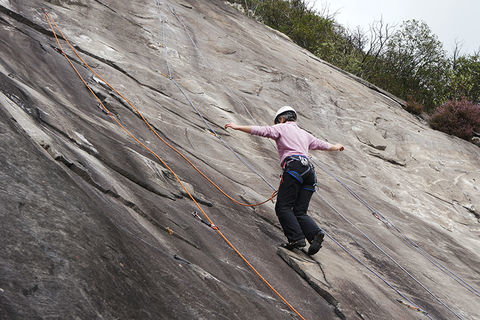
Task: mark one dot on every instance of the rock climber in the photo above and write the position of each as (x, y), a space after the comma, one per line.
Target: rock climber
(298, 179)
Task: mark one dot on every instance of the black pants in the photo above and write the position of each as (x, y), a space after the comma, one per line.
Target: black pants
(293, 199)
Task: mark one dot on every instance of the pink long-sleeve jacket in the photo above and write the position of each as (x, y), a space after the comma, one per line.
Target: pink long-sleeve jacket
(291, 139)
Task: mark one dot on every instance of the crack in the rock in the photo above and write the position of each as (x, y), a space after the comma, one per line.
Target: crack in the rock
(60, 51)
(323, 274)
(107, 6)
(7, 23)
(387, 159)
(327, 296)
(439, 198)
(120, 69)
(27, 22)
(188, 139)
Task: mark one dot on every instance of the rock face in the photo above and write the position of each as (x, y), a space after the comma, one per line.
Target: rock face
(93, 226)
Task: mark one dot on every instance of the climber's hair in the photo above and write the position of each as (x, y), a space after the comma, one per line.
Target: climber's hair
(287, 116)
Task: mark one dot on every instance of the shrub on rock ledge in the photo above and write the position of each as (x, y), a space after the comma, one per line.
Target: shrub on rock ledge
(413, 106)
(459, 118)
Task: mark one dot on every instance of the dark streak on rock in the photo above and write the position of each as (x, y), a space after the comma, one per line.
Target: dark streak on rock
(60, 51)
(106, 6)
(27, 22)
(123, 17)
(118, 68)
(387, 159)
(182, 260)
(186, 5)
(5, 22)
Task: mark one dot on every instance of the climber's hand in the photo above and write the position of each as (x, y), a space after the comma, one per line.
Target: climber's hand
(231, 125)
(337, 147)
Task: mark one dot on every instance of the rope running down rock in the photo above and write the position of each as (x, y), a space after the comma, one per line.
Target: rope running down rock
(51, 21)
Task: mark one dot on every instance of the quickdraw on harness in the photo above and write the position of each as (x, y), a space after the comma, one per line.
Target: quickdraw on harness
(211, 225)
(297, 175)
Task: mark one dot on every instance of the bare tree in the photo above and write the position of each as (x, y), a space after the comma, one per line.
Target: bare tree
(379, 35)
(456, 53)
(324, 10)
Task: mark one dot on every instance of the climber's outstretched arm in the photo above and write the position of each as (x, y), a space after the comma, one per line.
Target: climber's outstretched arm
(247, 129)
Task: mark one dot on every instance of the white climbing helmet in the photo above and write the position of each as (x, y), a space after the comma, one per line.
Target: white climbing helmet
(282, 110)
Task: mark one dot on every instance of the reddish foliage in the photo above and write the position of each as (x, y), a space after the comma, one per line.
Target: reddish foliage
(413, 106)
(459, 118)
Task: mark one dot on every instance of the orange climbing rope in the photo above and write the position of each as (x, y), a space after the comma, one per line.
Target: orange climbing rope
(51, 21)
(274, 194)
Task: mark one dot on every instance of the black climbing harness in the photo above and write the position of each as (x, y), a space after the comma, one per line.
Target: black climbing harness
(299, 176)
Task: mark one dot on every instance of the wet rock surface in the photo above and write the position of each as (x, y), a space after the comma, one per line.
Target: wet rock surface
(95, 227)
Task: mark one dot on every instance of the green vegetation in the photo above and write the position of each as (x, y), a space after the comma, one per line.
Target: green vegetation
(408, 61)
(464, 79)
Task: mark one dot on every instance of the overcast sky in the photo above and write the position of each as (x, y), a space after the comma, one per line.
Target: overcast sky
(450, 20)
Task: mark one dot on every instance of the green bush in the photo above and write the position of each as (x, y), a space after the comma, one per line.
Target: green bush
(465, 77)
(459, 118)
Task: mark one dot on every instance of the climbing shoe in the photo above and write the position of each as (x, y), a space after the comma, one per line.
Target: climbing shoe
(316, 244)
(294, 244)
